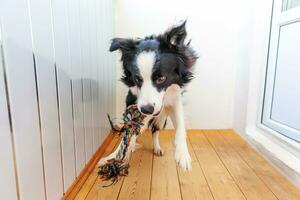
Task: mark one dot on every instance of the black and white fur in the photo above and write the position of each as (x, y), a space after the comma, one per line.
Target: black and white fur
(156, 69)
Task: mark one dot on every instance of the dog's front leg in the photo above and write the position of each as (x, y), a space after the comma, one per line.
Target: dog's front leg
(133, 145)
(182, 155)
(110, 156)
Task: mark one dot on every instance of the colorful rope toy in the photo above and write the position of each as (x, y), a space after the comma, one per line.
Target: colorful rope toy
(116, 167)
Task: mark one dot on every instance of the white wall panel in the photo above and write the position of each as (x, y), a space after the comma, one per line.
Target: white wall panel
(95, 113)
(98, 30)
(112, 60)
(8, 187)
(100, 64)
(60, 86)
(94, 81)
(87, 102)
(79, 125)
(86, 65)
(106, 77)
(98, 68)
(62, 56)
(23, 100)
(76, 74)
(41, 23)
(102, 68)
(106, 58)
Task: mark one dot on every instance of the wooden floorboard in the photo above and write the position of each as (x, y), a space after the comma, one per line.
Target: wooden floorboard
(219, 179)
(165, 183)
(193, 183)
(98, 192)
(243, 175)
(93, 178)
(224, 167)
(273, 179)
(137, 184)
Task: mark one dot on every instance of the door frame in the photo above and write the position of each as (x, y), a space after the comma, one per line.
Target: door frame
(280, 18)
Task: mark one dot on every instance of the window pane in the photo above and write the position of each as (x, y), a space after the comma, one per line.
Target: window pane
(286, 93)
(288, 4)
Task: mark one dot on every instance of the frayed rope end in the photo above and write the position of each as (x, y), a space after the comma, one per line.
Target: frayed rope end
(112, 170)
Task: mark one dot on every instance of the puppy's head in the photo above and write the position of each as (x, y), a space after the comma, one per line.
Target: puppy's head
(153, 64)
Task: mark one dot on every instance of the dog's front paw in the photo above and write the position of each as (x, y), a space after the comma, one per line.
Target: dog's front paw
(158, 151)
(182, 157)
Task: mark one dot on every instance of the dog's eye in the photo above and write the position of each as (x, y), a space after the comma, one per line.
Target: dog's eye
(160, 80)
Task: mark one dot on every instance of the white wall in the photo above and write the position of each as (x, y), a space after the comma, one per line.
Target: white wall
(243, 57)
(56, 85)
(250, 77)
(218, 30)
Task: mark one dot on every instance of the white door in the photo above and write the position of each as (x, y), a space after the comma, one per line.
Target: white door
(281, 110)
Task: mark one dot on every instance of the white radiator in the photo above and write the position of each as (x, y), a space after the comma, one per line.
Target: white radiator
(57, 82)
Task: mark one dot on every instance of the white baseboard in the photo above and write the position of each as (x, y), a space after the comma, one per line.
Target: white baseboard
(283, 156)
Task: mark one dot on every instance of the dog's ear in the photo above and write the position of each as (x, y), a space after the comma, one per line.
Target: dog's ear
(122, 44)
(176, 35)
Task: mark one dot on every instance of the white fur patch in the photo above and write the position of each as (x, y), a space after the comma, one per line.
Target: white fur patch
(145, 62)
(134, 90)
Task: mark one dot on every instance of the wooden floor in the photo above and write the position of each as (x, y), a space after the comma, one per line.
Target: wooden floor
(223, 167)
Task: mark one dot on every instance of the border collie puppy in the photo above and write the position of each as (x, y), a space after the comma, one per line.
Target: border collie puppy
(156, 70)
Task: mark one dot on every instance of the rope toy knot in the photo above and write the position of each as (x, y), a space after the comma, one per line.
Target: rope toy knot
(112, 170)
(116, 167)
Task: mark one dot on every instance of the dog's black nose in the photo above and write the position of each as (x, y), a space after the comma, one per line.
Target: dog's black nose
(147, 109)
